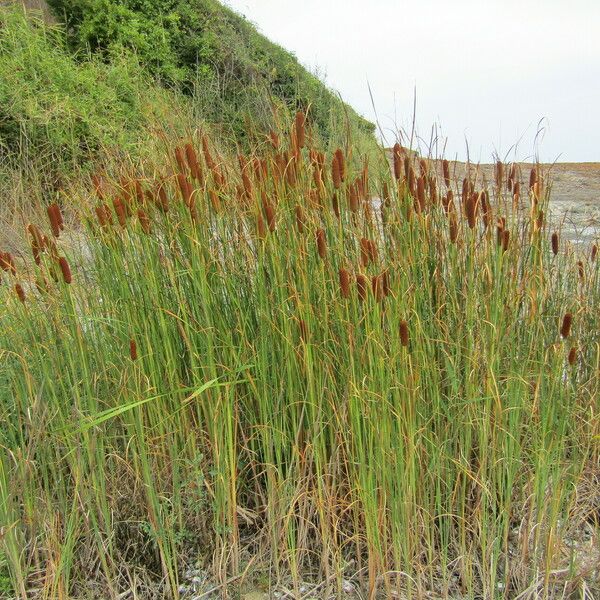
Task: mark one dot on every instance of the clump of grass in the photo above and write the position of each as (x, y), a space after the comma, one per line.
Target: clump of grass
(260, 367)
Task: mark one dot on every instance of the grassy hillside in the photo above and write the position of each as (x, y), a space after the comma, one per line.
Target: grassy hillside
(202, 46)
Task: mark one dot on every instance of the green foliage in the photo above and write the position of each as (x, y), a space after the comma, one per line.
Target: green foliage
(55, 110)
(200, 44)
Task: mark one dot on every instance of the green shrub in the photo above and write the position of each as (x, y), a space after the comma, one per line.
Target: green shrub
(200, 45)
(57, 111)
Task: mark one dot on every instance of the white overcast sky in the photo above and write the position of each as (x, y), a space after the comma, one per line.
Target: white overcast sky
(485, 72)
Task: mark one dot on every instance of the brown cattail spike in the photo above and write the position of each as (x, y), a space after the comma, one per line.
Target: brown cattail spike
(65, 269)
(55, 218)
(144, 220)
(300, 129)
(192, 160)
(446, 172)
(505, 240)
(339, 155)
(120, 211)
(335, 173)
(133, 349)
(20, 292)
(572, 355)
(7, 263)
(594, 252)
(362, 286)
(344, 283)
(397, 156)
(567, 322)
(554, 241)
(321, 244)
(404, 336)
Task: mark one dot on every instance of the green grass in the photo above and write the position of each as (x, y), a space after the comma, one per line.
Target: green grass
(202, 392)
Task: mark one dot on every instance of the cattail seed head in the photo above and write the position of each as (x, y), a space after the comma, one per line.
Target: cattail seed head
(300, 129)
(184, 188)
(344, 283)
(453, 226)
(335, 173)
(180, 160)
(581, 270)
(397, 156)
(385, 280)
(133, 349)
(55, 218)
(353, 197)
(7, 263)
(533, 178)
(192, 160)
(421, 200)
(594, 252)
(20, 292)
(404, 335)
(65, 269)
(214, 200)
(341, 163)
(499, 173)
(555, 243)
(120, 211)
(261, 228)
(471, 209)
(335, 205)
(103, 215)
(144, 220)
(321, 244)
(567, 322)
(270, 214)
(505, 240)
(446, 172)
(572, 355)
(362, 286)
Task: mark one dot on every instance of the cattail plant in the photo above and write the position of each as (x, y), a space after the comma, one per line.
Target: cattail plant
(362, 286)
(55, 218)
(344, 278)
(505, 240)
(335, 172)
(567, 322)
(446, 172)
(133, 354)
(144, 220)
(7, 263)
(321, 243)
(335, 205)
(572, 356)
(20, 292)
(594, 252)
(555, 243)
(120, 211)
(65, 269)
(194, 165)
(341, 161)
(300, 132)
(397, 158)
(404, 335)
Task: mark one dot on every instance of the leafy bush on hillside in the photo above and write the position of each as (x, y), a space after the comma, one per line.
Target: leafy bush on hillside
(199, 44)
(54, 109)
